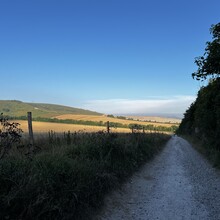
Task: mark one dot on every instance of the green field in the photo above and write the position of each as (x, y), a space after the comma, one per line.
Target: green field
(16, 108)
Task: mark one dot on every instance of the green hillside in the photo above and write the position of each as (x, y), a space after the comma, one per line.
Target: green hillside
(17, 108)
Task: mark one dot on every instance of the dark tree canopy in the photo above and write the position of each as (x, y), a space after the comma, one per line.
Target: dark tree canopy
(202, 119)
(209, 63)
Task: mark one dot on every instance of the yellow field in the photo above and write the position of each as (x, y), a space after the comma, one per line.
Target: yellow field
(105, 119)
(157, 119)
(42, 127)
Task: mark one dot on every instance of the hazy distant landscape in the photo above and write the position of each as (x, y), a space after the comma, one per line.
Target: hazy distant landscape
(46, 115)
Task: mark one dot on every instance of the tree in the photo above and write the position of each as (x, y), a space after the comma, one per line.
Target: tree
(135, 127)
(209, 63)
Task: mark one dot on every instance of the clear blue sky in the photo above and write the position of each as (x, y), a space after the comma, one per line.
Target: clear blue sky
(105, 55)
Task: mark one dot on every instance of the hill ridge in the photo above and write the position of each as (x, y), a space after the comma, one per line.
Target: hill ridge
(18, 108)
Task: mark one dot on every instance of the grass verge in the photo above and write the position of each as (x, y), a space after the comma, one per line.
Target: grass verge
(69, 176)
(206, 149)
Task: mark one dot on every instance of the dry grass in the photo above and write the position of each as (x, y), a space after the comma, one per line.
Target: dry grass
(156, 119)
(70, 175)
(42, 127)
(105, 119)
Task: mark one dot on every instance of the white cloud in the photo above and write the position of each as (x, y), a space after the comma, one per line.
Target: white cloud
(157, 105)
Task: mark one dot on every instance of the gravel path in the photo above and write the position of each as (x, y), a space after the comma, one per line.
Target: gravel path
(178, 184)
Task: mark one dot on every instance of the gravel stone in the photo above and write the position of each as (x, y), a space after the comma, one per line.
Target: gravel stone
(178, 184)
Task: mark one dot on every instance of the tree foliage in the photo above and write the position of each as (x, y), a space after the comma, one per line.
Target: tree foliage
(202, 119)
(10, 135)
(209, 63)
(187, 124)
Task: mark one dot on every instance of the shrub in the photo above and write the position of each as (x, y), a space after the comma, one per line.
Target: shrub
(10, 135)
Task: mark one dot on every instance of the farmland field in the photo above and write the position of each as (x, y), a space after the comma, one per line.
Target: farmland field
(156, 119)
(104, 118)
(42, 127)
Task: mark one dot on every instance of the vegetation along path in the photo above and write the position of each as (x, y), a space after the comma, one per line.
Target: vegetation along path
(178, 184)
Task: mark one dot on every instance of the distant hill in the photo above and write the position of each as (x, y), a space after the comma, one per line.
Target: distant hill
(17, 108)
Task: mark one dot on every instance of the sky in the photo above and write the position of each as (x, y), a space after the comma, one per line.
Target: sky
(111, 56)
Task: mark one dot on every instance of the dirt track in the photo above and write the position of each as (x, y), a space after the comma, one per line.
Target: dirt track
(178, 184)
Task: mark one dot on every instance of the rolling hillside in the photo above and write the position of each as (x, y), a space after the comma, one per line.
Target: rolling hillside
(17, 108)
(51, 114)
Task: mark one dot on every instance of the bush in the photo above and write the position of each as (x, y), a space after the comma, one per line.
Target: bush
(10, 135)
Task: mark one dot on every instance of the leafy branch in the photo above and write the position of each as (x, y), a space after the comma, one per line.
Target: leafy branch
(10, 135)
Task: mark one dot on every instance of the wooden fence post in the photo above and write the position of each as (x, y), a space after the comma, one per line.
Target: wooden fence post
(108, 127)
(31, 135)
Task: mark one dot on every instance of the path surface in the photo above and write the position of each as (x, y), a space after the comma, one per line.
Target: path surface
(178, 184)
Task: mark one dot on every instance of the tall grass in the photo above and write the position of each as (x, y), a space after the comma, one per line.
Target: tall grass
(69, 176)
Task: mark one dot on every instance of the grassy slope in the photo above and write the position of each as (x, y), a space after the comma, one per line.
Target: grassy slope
(69, 176)
(211, 154)
(18, 108)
